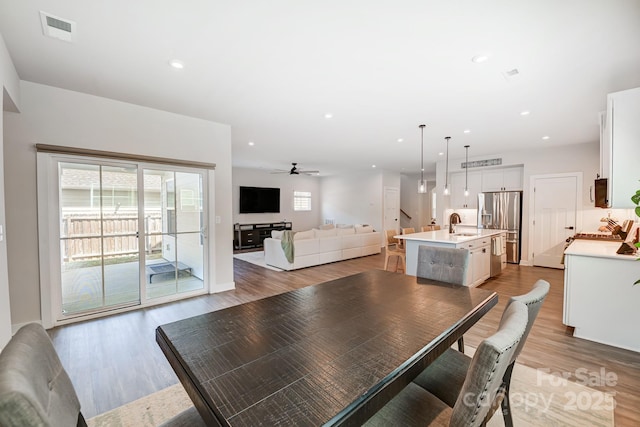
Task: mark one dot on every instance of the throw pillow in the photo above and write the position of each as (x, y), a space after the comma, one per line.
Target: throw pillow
(327, 227)
(276, 234)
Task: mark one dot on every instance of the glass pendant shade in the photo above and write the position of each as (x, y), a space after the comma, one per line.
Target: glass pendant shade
(422, 184)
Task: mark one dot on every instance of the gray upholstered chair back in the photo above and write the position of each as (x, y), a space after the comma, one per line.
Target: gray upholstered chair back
(533, 300)
(487, 368)
(444, 264)
(35, 390)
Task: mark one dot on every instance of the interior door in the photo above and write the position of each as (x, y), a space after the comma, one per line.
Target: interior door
(555, 204)
(391, 208)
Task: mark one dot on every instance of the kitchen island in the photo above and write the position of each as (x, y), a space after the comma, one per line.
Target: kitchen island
(477, 241)
(600, 300)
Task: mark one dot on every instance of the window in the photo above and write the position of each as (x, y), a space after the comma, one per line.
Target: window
(301, 201)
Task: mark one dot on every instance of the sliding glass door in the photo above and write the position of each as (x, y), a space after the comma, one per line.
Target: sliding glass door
(98, 236)
(129, 235)
(174, 239)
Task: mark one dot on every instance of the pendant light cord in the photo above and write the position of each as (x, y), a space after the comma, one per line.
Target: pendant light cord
(466, 168)
(446, 173)
(422, 153)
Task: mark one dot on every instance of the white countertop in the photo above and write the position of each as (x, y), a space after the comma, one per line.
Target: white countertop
(597, 248)
(462, 235)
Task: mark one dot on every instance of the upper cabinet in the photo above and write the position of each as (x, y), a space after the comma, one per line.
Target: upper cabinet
(620, 149)
(505, 179)
(473, 182)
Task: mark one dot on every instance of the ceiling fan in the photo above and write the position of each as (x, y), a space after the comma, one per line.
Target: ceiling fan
(295, 171)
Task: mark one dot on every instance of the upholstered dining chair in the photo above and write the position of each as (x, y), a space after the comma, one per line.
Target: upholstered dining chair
(35, 390)
(445, 377)
(443, 264)
(449, 265)
(393, 249)
(436, 227)
(416, 406)
(426, 228)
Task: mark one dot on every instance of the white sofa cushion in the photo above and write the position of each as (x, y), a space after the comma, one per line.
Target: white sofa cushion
(351, 241)
(327, 227)
(330, 244)
(319, 234)
(364, 229)
(345, 231)
(305, 247)
(302, 235)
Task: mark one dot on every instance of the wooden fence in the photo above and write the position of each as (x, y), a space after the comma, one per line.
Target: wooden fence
(81, 236)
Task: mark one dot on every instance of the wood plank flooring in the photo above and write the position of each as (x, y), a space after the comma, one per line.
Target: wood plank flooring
(115, 360)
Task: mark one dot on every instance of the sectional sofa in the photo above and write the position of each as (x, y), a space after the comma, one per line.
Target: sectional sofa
(315, 246)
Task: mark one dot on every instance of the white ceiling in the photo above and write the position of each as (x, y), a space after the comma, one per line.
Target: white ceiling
(273, 69)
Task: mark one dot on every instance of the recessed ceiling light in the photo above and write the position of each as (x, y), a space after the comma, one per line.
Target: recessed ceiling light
(545, 137)
(441, 154)
(328, 116)
(400, 140)
(251, 143)
(467, 131)
(176, 64)
(479, 58)
(373, 166)
(525, 113)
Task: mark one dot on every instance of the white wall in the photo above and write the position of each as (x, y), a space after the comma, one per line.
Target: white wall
(287, 185)
(357, 198)
(10, 85)
(583, 158)
(59, 117)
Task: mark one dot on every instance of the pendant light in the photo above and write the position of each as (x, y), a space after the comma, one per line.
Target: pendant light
(422, 184)
(446, 174)
(466, 171)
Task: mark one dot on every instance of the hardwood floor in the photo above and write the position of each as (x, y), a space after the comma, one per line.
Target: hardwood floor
(115, 360)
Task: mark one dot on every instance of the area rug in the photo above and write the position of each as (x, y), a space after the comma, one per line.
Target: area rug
(537, 399)
(256, 258)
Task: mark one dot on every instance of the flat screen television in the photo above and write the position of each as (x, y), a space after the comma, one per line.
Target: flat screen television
(259, 200)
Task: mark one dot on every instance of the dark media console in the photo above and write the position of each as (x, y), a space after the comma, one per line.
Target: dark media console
(252, 235)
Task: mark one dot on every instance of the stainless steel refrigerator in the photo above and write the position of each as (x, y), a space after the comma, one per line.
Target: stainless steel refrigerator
(502, 210)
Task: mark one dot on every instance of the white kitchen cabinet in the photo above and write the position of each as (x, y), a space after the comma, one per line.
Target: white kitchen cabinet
(504, 179)
(600, 300)
(478, 242)
(458, 199)
(479, 260)
(620, 148)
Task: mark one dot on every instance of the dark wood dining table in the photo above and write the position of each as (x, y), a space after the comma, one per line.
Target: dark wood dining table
(329, 354)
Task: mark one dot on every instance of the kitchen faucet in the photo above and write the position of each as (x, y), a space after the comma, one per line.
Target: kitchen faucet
(454, 219)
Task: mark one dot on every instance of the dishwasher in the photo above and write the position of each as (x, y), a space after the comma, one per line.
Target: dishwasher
(498, 254)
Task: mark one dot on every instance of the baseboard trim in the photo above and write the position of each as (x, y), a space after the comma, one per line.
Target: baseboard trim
(222, 287)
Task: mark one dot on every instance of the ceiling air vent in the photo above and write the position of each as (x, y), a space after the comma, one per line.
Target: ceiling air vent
(58, 28)
(509, 74)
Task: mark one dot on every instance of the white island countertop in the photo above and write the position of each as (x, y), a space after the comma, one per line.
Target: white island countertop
(462, 234)
(597, 248)
(476, 241)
